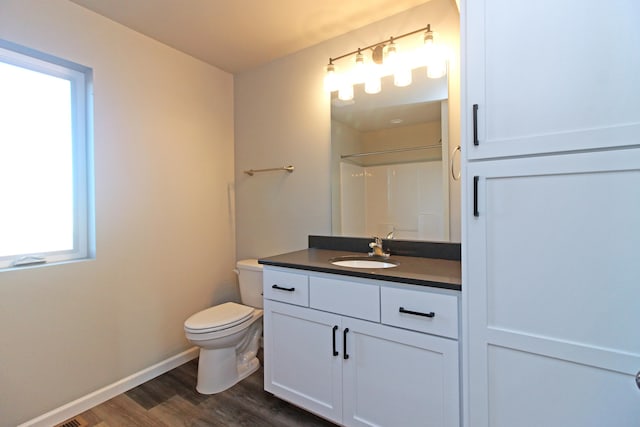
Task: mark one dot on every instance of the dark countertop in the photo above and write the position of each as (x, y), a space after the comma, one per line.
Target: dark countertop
(437, 273)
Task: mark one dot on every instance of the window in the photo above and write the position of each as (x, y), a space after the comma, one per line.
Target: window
(46, 209)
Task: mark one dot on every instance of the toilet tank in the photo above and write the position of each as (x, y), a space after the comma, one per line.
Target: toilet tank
(250, 279)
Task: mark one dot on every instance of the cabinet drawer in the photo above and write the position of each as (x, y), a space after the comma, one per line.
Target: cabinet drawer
(403, 308)
(344, 297)
(286, 287)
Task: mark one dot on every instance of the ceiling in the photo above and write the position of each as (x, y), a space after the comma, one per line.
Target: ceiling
(238, 35)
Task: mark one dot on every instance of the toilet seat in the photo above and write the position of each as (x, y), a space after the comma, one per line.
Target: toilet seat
(220, 317)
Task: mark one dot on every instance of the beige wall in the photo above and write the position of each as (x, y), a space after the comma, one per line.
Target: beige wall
(282, 116)
(428, 133)
(164, 216)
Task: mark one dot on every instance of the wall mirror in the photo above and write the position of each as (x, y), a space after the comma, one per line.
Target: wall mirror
(390, 161)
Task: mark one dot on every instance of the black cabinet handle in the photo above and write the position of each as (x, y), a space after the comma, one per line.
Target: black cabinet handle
(335, 328)
(475, 125)
(417, 313)
(475, 196)
(283, 289)
(344, 343)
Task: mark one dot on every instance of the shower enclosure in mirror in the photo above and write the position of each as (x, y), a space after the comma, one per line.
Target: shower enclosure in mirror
(390, 162)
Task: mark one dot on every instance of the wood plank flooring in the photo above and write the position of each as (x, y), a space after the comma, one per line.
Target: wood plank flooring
(172, 400)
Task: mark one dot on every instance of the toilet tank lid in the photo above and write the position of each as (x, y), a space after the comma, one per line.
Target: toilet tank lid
(249, 264)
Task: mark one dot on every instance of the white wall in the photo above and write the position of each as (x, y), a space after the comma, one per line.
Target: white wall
(165, 231)
(283, 116)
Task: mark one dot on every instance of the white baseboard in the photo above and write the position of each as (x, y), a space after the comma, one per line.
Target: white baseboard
(87, 402)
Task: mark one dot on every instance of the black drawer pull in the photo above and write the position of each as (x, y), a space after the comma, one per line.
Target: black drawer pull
(283, 289)
(417, 313)
(344, 343)
(335, 328)
(475, 196)
(475, 125)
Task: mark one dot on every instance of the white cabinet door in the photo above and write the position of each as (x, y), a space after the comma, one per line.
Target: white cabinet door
(300, 363)
(550, 76)
(393, 377)
(552, 290)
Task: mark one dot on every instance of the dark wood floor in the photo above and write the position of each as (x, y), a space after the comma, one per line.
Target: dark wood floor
(172, 400)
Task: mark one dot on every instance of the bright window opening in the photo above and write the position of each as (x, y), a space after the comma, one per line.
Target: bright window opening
(44, 159)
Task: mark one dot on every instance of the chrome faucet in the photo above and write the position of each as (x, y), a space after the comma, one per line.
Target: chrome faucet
(376, 245)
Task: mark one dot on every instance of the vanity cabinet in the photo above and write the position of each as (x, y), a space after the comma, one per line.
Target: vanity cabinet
(348, 357)
(299, 364)
(549, 76)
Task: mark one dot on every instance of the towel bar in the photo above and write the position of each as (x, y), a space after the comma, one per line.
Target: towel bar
(289, 169)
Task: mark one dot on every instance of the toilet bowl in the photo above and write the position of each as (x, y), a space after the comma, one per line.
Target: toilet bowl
(229, 334)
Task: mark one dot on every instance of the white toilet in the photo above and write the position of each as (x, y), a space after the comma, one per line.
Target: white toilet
(229, 334)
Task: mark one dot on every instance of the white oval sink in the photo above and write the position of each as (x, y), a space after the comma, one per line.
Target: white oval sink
(362, 262)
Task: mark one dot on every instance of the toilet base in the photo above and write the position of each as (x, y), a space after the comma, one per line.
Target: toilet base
(227, 356)
(249, 369)
(218, 370)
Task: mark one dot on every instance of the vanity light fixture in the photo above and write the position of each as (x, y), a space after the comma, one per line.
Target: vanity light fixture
(359, 71)
(373, 78)
(386, 60)
(435, 59)
(397, 66)
(331, 79)
(373, 85)
(345, 92)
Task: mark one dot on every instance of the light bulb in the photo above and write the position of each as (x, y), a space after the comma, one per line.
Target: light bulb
(434, 56)
(402, 77)
(429, 49)
(345, 93)
(392, 55)
(331, 79)
(398, 66)
(428, 37)
(359, 71)
(436, 69)
(373, 84)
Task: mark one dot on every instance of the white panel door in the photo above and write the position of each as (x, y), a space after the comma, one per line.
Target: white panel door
(550, 76)
(394, 377)
(301, 365)
(552, 292)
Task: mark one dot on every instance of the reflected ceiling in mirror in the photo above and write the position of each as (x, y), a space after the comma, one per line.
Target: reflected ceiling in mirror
(389, 162)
